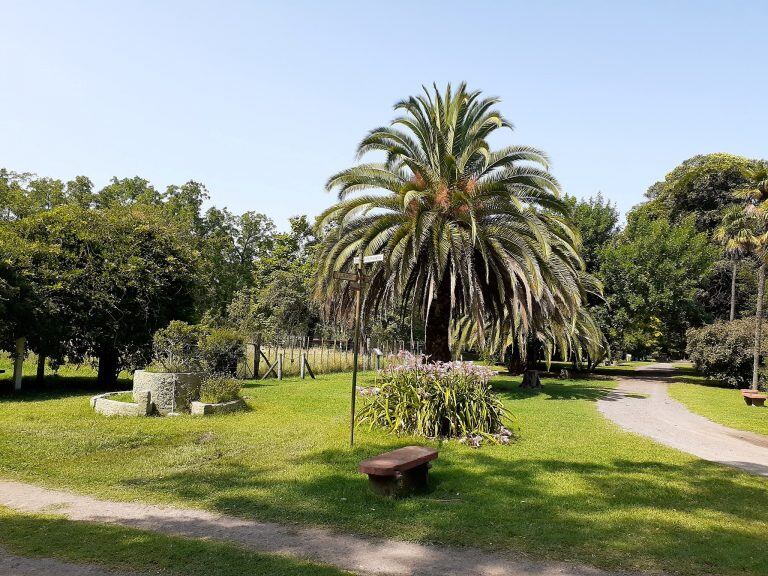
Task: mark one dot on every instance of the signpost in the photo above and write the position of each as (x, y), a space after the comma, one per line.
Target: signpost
(356, 283)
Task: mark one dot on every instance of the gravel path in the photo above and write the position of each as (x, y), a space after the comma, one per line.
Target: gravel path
(642, 405)
(348, 552)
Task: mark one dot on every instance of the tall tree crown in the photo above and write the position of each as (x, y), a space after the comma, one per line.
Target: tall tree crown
(467, 231)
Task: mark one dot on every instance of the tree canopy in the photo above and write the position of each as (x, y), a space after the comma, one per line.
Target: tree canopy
(467, 232)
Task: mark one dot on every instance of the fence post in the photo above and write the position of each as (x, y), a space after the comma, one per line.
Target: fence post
(256, 356)
(280, 365)
(303, 363)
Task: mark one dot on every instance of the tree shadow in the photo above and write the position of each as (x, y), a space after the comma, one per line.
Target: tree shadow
(132, 549)
(552, 390)
(57, 386)
(630, 511)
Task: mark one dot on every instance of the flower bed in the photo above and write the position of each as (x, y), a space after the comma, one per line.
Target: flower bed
(437, 400)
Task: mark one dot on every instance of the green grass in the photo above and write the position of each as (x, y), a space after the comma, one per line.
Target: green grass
(720, 404)
(124, 548)
(123, 397)
(573, 486)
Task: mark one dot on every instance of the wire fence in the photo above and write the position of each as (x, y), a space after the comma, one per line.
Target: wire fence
(291, 356)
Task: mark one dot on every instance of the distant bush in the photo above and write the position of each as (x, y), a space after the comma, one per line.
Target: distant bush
(723, 351)
(221, 350)
(182, 347)
(219, 388)
(176, 348)
(437, 400)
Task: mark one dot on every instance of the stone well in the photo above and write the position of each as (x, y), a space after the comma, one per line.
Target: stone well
(169, 391)
(104, 404)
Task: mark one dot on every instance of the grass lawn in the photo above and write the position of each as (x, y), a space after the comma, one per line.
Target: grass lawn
(573, 486)
(123, 548)
(722, 405)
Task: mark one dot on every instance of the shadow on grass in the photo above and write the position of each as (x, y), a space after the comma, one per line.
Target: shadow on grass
(57, 387)
(701, 381)
(551, 389)
(138, 550)
(622, 512)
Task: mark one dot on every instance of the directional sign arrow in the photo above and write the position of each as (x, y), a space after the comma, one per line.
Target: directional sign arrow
(345, 276)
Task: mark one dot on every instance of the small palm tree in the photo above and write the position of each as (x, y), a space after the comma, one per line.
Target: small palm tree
(734, 234)
(750, 232)
(466, 231)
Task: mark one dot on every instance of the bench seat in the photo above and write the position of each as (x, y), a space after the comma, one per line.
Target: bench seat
(400, 471)
(753, 397)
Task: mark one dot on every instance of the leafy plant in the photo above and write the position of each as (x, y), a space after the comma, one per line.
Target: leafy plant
(723, 351)
(177, 347)
(219, 388)
(220, 351)
(437, 400)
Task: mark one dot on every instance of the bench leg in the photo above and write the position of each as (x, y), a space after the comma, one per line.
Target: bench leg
(747, 400)
(413, 481)
(416, 480)
(758, 402)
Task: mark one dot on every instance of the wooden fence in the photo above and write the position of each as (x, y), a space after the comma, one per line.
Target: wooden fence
(302, 356)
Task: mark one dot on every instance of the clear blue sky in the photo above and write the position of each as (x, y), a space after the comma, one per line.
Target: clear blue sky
(263, 101)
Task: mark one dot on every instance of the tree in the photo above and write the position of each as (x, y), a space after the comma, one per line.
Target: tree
(702, 186)
(734, 234)
(110, 278)
(597, 221)
(466, 231)
(652, 274)
(752, 233)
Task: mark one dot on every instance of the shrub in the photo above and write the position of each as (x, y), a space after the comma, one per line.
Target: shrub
(176, 347)
(437, 400)
(723, 351)
(219, 388)
(221, 350)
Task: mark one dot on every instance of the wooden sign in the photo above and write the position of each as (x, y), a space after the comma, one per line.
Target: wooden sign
(345, 276)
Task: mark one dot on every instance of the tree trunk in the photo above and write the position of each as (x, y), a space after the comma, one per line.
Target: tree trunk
(108, 367)
(733, 290)
(40, 377)
(514, 360)
(758, 325)
(438, 327)
(531, 379)
(18, 363)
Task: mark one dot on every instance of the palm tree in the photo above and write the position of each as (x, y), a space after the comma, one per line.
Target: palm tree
(466, 231)
(750, 231)
(735, 237)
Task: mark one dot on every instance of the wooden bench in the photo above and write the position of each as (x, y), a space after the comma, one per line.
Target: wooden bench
(399, 472)
(753, 397)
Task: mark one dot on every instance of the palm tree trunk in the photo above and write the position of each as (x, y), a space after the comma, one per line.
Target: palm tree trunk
(438, 326)
(758, 325)
(733, 290)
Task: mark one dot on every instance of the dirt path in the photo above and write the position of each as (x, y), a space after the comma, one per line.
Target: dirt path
(642, 405)
(348, 552)
(11, 565)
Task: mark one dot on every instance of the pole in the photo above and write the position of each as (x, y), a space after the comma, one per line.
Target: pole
(356, 344)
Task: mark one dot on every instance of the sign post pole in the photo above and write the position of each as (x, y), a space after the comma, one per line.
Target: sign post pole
(357, 281)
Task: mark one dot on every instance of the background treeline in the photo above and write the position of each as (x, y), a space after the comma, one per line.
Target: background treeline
(90, 274)
(665, 271)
